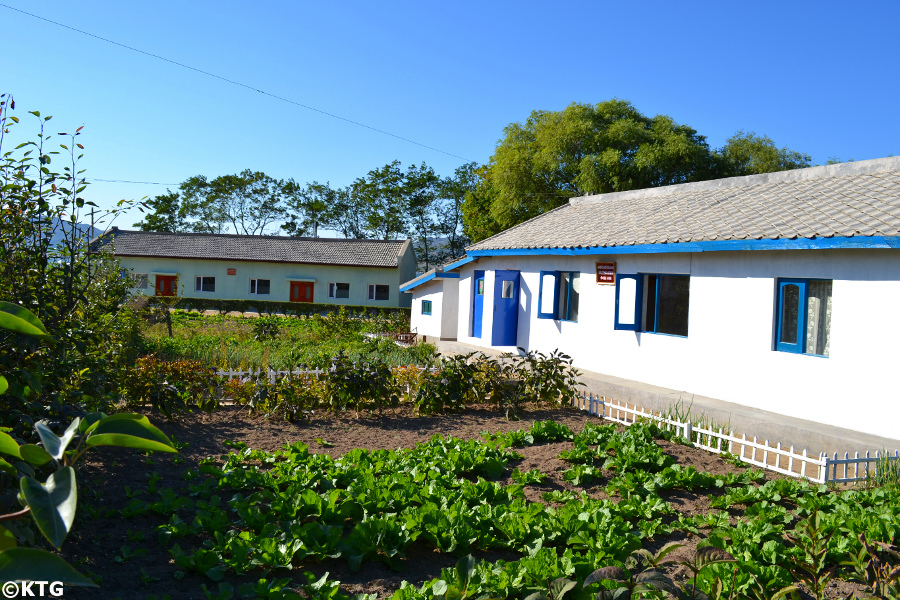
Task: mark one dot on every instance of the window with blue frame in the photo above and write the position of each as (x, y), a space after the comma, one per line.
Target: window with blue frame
(653, 303)
(426, 307)
(558, 293)
(803, 308)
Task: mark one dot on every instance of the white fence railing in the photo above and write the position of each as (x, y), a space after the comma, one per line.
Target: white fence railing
(821, 469)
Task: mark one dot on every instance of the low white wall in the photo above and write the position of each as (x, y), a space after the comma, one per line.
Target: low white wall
(729, 351)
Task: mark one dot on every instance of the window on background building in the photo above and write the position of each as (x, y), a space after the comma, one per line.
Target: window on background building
(259, 286)
(558, 295)
(653, 303)
(426, 307)
(338, 290)
(378, 292)
(205, 284)
(803, 309)
(140, 280)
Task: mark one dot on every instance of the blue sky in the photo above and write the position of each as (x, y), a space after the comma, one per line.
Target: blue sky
(818, 77)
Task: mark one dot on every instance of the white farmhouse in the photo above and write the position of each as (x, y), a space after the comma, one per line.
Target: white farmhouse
(265, 267)
(777, 292)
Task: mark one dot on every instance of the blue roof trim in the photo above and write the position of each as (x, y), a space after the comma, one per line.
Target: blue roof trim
(455, 265)
(709, 246)
(428, 278)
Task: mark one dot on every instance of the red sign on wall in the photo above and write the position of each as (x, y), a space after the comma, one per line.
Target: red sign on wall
(232, 271)
(606, 273)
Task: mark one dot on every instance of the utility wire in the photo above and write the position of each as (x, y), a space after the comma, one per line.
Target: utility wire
(91, 179)
(233, 82)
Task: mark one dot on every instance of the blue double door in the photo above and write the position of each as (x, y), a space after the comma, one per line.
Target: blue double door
(505, 322)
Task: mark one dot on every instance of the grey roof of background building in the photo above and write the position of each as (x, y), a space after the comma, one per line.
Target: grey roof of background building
(846, 200)
(256, 248)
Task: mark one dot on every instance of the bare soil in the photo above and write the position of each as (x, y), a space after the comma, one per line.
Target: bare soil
(111, 477)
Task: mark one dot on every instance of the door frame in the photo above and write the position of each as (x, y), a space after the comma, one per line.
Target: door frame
(505, 325)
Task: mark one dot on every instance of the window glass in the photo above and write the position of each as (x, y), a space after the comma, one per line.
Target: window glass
(378, 292)
(790, 313)
(674, 294)
(140, 280)
(574, 292)
(479, 288)
(205, 284)
(338, 290)
(259, 286)
(426, 307)
(548, 283)
(508, 287)
(818, 319)
(627, 299)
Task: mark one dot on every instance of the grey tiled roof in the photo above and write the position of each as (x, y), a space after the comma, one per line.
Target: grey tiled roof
(257, 248)
(851, 199)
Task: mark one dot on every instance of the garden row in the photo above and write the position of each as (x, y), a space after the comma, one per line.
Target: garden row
(257, 514)
(448, 385)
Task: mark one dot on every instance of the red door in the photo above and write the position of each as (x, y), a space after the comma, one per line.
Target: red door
(301, 291)
(166, 285)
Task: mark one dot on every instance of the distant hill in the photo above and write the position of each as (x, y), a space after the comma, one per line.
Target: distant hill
(61, 228)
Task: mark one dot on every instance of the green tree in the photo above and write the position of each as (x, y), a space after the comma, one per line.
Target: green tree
(751, 154)
(595, 149)
(586, 148)
(167, 214)
(245, 203)
(348, 212)
(384, 201)
(420, 192)
(307, 207)
(452, 193)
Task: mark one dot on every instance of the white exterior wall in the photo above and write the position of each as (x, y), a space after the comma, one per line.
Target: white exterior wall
(427, 325)
(237, 287)
(442, 321)
(729, 352)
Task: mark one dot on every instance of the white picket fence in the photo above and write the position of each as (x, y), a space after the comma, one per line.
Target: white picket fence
(821, 469)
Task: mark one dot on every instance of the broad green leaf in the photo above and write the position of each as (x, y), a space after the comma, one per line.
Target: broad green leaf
(9, 446)
(53, 503)
(53, 444)
(89, 420)
(3, 385)
(8, 468)
(21, 320)
(32, 564)
(465, 568)
(34, 455)
(130, 431)
(7, 539)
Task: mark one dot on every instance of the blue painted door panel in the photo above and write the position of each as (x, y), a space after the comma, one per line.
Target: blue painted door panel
(477, 303)
(506, 308)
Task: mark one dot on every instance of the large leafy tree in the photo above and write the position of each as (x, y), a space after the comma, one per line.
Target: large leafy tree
(751, 154)
(308, 207)
(608, 147)
(248, 203)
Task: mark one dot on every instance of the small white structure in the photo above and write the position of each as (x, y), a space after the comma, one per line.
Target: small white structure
(432, 316)
(775, 291)
(265, 267)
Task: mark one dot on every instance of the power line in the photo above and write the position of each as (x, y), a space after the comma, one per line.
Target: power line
(91, 179)
(233, 82)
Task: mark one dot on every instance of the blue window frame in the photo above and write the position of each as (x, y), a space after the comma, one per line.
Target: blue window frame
(558, 295)
(803, 308)
(426, 307)
(653, 303)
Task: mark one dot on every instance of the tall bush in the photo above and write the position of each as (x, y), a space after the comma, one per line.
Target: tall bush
(46, 267)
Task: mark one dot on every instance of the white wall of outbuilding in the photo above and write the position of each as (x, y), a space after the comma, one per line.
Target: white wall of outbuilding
(729, 351)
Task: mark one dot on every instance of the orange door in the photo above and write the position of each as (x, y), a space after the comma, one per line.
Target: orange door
(301, 291)
(166, 285)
